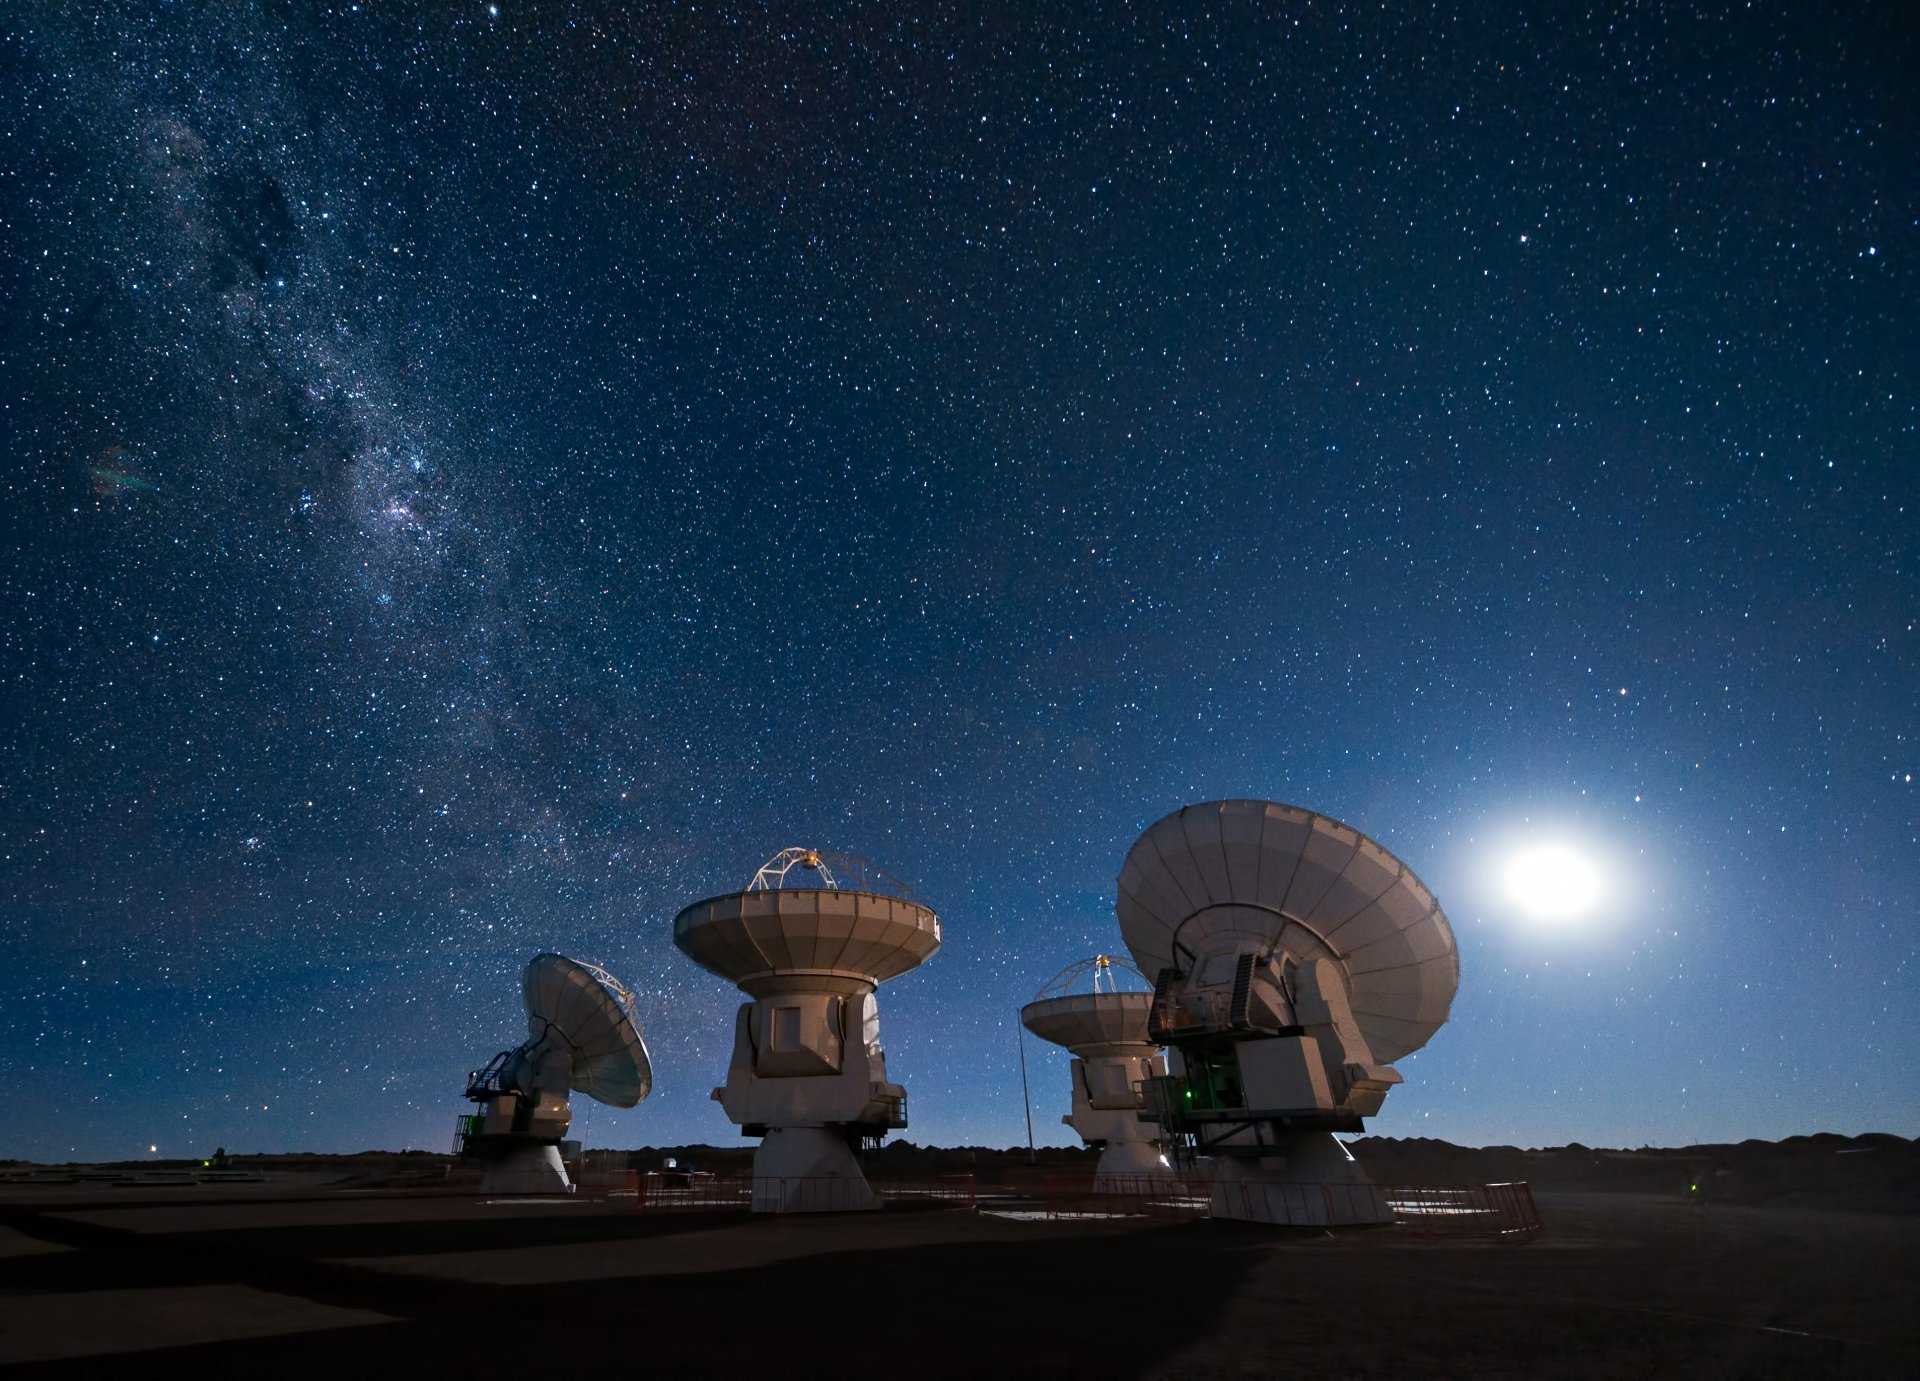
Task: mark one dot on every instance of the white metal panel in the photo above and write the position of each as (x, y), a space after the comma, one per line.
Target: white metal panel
(1147, 918)
(1329, 848)
(1399, 980)
(1202, 829)
(1282, 838)
(1409, 904)
(1368, 875)
(1372, 924)
(1240, 832)
(1432, 983)
(1168, 841)
(1417, 943)
(1389, 1036)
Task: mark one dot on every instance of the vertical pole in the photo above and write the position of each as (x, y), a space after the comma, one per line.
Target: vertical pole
(1026, 1098)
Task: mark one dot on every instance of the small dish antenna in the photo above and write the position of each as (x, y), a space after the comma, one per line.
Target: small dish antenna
(582, 1035)
(1085, 1008)
(809, 939)
(1292, 959)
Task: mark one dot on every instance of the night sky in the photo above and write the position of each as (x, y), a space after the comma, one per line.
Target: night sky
(476, 484)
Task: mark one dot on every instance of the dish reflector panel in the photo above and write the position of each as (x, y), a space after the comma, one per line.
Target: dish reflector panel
(587, 1008)
(1091, 1021)
(745, 936)
(1225, 877)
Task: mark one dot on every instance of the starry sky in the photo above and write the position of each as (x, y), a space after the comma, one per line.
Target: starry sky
(475, 483)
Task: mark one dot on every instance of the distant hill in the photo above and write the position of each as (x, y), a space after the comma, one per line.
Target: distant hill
(1877, 1172)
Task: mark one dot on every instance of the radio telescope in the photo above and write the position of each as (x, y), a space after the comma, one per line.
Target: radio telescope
(1293, 958)
(1106, 1029)
(809, 940)
(581, 1035)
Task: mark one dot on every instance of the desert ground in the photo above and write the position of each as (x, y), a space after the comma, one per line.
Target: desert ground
(326, 1267)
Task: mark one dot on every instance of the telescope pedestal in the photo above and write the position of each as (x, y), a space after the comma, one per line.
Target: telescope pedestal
(808, 1170)
(527, 1169)
(1128, 1167)
(808, 1074)
(1314, 1183)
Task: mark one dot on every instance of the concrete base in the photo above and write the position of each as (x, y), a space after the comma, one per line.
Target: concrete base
(530, 1169)
(808, 1170)
(1131, 1167)
(1313, 1183)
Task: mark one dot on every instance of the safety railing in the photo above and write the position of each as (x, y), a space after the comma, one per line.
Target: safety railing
(1484, 1210)
(657, 1193)
(1129, 1196)
(1503, 1211)
(606, 1183)
(942, 1191)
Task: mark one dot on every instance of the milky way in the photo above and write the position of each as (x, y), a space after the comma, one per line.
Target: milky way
(479, 483)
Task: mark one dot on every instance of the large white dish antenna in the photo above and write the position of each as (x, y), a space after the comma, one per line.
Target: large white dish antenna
(1232, 877)
(808, 1075)
(587, 1009)
(755, 939)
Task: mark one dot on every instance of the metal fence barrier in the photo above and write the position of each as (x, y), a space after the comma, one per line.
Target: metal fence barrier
(658, 1193)
(1123, 1196)
(1502, 1211)
(1498, 1211)
(1484, 1210)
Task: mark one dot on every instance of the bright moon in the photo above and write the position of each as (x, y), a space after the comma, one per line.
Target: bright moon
(1552, 883)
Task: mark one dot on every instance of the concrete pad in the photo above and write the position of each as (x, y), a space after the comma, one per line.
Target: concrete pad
(90, 1323)
(742, 1246)
(333, 1211)
(16, 1243)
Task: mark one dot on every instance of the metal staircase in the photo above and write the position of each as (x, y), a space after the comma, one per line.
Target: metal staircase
(1242, 990)
(1160, 1013)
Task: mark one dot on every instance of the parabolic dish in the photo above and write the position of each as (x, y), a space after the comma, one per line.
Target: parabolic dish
(745, 936)
(610, 1063)
(1231, 876)
(1090, 1021)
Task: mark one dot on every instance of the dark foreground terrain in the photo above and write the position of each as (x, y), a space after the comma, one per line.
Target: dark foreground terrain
(285, 1278)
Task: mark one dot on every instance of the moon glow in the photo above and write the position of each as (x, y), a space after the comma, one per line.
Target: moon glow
(1551, 882)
